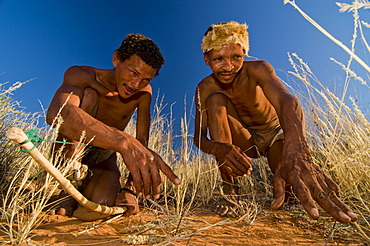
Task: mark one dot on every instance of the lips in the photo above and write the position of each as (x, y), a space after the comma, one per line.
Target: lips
(130, 90)
(226, 76)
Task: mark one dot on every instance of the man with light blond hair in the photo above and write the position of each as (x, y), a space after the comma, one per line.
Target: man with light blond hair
(244, 111)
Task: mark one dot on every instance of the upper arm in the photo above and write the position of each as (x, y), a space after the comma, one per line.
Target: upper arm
(70, 92)
(143, 118)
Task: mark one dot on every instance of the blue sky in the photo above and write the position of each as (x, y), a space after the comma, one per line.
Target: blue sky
(41, 39)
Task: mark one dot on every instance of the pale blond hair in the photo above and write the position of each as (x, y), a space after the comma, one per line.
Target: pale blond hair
(225, 33)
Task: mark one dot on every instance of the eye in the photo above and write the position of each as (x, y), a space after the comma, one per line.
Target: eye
(217, 59)
(133, 73)
(237, 57)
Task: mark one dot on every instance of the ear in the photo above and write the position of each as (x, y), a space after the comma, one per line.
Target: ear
(115, 59)
(206, 59)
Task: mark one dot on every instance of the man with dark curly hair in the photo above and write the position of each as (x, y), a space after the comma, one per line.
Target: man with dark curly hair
(100, 103)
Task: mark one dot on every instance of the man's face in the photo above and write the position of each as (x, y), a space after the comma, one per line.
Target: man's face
(132, 75)
(226, 62)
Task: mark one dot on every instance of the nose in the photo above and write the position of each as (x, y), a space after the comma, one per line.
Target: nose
(228, 65)
(136, 84)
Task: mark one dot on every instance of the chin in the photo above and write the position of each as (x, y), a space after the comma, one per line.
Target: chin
(226, 82)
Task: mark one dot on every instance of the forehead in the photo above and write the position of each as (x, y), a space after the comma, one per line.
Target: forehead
(137, 64)
(229, 49)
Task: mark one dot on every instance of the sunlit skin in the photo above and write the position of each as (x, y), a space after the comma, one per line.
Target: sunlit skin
(242, 95)
(132, 75)
(101, 104)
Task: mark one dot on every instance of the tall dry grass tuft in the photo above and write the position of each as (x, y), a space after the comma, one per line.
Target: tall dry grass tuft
(25, 187)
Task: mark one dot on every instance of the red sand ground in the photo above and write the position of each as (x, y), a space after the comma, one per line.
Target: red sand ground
(270, 228)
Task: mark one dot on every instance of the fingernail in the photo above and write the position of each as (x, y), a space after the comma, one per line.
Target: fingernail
(315, 213)
(147, 197)
(352, 215)
(156, 196)
(345, 216)
(177, 181)
(140, 194)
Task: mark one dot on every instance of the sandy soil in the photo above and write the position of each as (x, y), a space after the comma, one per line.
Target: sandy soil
(201, 227)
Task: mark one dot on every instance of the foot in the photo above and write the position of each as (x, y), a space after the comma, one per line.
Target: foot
(62, 204)
(128, 198)
(226, 209)
(227, 206)
(86, 214)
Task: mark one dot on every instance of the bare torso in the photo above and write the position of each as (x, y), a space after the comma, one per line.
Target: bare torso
(111, 109)
(95, 92)
(246, 95)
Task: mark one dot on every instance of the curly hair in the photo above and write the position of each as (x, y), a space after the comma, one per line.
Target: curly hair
(143, 47)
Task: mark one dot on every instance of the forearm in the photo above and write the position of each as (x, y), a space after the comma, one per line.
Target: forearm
(292, 121)
(76, 121)
(206, 145)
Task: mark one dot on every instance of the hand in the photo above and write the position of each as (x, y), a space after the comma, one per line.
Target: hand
(232, 160)
(310, 184)
(145, 166)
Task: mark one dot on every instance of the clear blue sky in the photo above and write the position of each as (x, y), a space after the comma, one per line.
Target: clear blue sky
(41, 39)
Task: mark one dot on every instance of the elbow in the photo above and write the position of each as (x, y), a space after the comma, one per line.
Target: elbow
(50, 117)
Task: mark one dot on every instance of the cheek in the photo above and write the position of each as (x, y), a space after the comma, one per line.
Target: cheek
(238, 65)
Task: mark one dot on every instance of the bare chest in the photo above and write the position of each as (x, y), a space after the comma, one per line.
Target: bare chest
(250, 104)
(115, 112)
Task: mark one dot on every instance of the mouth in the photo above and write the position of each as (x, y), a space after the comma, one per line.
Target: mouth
(130, 90)
(227, 75)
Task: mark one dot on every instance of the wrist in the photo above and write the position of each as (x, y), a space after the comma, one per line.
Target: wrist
(123, 142)
(129, 191)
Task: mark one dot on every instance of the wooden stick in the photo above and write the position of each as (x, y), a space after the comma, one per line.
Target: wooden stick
(17, 135)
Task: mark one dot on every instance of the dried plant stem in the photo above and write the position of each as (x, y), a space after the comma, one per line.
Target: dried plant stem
(336, 41)
(17, 135)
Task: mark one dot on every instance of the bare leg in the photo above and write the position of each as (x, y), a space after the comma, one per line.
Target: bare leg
(128, 199)
(89, 104)
(102, 188)
(225, 126)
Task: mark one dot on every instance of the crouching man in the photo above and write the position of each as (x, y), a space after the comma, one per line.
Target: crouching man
(101, 102)
(248, 112)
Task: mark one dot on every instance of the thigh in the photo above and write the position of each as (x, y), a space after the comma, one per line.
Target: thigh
(89, 103)
(105, 183)
(274, 155)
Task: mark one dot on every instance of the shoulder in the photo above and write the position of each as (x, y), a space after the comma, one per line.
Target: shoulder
(257, 67)
(79, 70)
(147, 90)
(258, 64)
(205, 83)
(79, 75)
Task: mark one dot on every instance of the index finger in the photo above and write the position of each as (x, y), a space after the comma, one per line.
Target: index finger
(166, 170)
(245, 161)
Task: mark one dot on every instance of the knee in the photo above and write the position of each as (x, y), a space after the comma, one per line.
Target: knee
(90, 94)
(103, 186)
(216, 100)
(90, 101)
